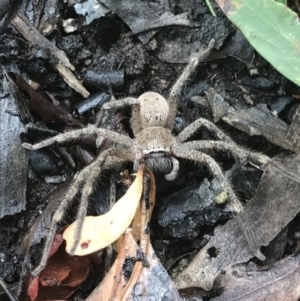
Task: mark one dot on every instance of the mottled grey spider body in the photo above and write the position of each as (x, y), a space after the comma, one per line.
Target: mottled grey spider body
(152, 120)
(153, 141)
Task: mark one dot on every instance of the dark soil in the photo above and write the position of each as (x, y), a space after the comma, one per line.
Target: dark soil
(107, 44)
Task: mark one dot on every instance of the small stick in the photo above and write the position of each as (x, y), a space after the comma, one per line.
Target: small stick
(7, 290)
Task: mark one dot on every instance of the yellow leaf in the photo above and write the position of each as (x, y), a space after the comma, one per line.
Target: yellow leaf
(98, 232)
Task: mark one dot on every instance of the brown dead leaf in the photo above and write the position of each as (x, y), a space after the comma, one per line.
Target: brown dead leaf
(98, 232)
(280, 283)
(145, 209)
(274, 205)
(62, 275)
(43, 107)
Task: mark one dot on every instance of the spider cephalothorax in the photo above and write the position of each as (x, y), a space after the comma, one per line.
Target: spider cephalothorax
(153, 141)
(152, 120)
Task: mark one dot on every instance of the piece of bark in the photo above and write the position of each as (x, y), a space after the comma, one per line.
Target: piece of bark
(258, 121)
(274, 205)
(141, 19)
(13, 158)
(279, 283)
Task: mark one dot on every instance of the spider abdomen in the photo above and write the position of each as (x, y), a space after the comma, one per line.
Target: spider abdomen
(154, 110)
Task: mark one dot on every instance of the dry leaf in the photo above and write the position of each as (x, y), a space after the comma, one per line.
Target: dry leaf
(280, 283)
(98, 232)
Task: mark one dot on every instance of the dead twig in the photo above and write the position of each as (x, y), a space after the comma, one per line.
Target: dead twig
(64, 67)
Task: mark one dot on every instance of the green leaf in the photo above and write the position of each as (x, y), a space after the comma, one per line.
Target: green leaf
(282, 1)
(272, 29)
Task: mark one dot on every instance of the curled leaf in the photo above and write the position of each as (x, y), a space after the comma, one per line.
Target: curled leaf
(98, 232)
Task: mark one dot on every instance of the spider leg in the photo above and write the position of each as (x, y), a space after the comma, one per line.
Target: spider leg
(240, 152)
(120, 103)
(185, 75)
(85, 177)
(192, 128)
(88, 188)
(58, 215)
(197, 156)
(134, 103)
(79, 134)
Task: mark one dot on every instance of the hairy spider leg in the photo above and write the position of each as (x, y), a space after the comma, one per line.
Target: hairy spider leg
(81, 177)
(86, 178)
(59, 213)
(120, 103)
(240, 152)
(197, 156)
(193, 155)
(80, 134)
(229, 145)
(88, 188)
(196, 125)
(134, 103)
(176, 90)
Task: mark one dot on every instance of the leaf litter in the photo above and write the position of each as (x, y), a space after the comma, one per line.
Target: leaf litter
(227, 243)
(279, 283)
(136, 273)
